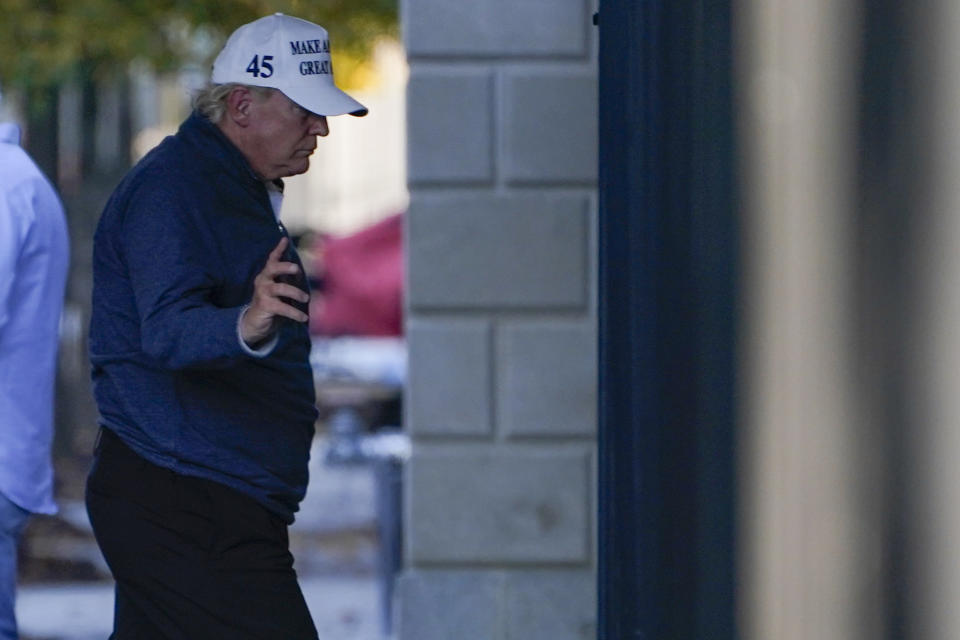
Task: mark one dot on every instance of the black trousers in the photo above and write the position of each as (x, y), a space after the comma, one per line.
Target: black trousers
(192, 559)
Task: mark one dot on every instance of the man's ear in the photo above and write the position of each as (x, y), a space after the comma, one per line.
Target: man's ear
(239, 103)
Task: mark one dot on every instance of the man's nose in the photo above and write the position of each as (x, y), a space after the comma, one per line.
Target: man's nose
(319, 127)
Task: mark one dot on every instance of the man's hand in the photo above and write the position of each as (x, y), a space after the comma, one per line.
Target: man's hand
(267, 306)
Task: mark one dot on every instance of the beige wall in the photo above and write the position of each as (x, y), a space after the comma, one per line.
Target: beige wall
(852, 356)
(806, 534)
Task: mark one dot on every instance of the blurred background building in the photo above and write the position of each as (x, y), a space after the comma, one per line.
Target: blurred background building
(96, 85)
(681, 287)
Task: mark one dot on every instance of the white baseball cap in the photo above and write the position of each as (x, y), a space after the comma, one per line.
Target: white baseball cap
(288, 54)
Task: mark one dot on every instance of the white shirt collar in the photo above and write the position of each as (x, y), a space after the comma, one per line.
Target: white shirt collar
(275, 191)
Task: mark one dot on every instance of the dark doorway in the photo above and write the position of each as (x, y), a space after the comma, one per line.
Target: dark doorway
(668, 286)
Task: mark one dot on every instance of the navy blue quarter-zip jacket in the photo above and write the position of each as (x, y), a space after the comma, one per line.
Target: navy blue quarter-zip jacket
(175, 255)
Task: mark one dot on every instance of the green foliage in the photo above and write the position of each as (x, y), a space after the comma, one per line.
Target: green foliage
(42, 42)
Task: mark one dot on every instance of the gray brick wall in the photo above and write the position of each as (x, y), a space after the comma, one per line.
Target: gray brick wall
(501, 401)
(450, 367)
(441, 29)
(550, 126)
(487, 252)
(547, 373)
(507, 605)
(514, 506)
(450, 127)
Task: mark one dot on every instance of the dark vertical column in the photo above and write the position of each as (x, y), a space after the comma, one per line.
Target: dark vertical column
(894, 166)
(42, 128)
(667, 321)
(628, 608)
(88, 120)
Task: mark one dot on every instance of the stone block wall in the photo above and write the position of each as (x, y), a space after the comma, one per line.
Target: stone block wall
(499, 494)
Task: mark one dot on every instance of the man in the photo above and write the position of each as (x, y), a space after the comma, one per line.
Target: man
(200, 352)
(34, 253)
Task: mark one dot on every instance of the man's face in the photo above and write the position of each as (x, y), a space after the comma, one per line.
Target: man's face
(282, 136)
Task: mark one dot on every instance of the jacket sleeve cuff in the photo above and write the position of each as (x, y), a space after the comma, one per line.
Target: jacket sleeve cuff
(263, 350)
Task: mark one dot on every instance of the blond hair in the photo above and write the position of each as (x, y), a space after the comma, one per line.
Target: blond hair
(211, 101)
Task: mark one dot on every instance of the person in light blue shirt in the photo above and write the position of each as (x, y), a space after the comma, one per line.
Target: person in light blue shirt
(34, 254)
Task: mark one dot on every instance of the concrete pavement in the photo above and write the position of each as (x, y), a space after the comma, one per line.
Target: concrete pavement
(333, 541)
(343, 608)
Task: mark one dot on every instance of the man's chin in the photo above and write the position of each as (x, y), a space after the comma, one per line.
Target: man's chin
(294, 168)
